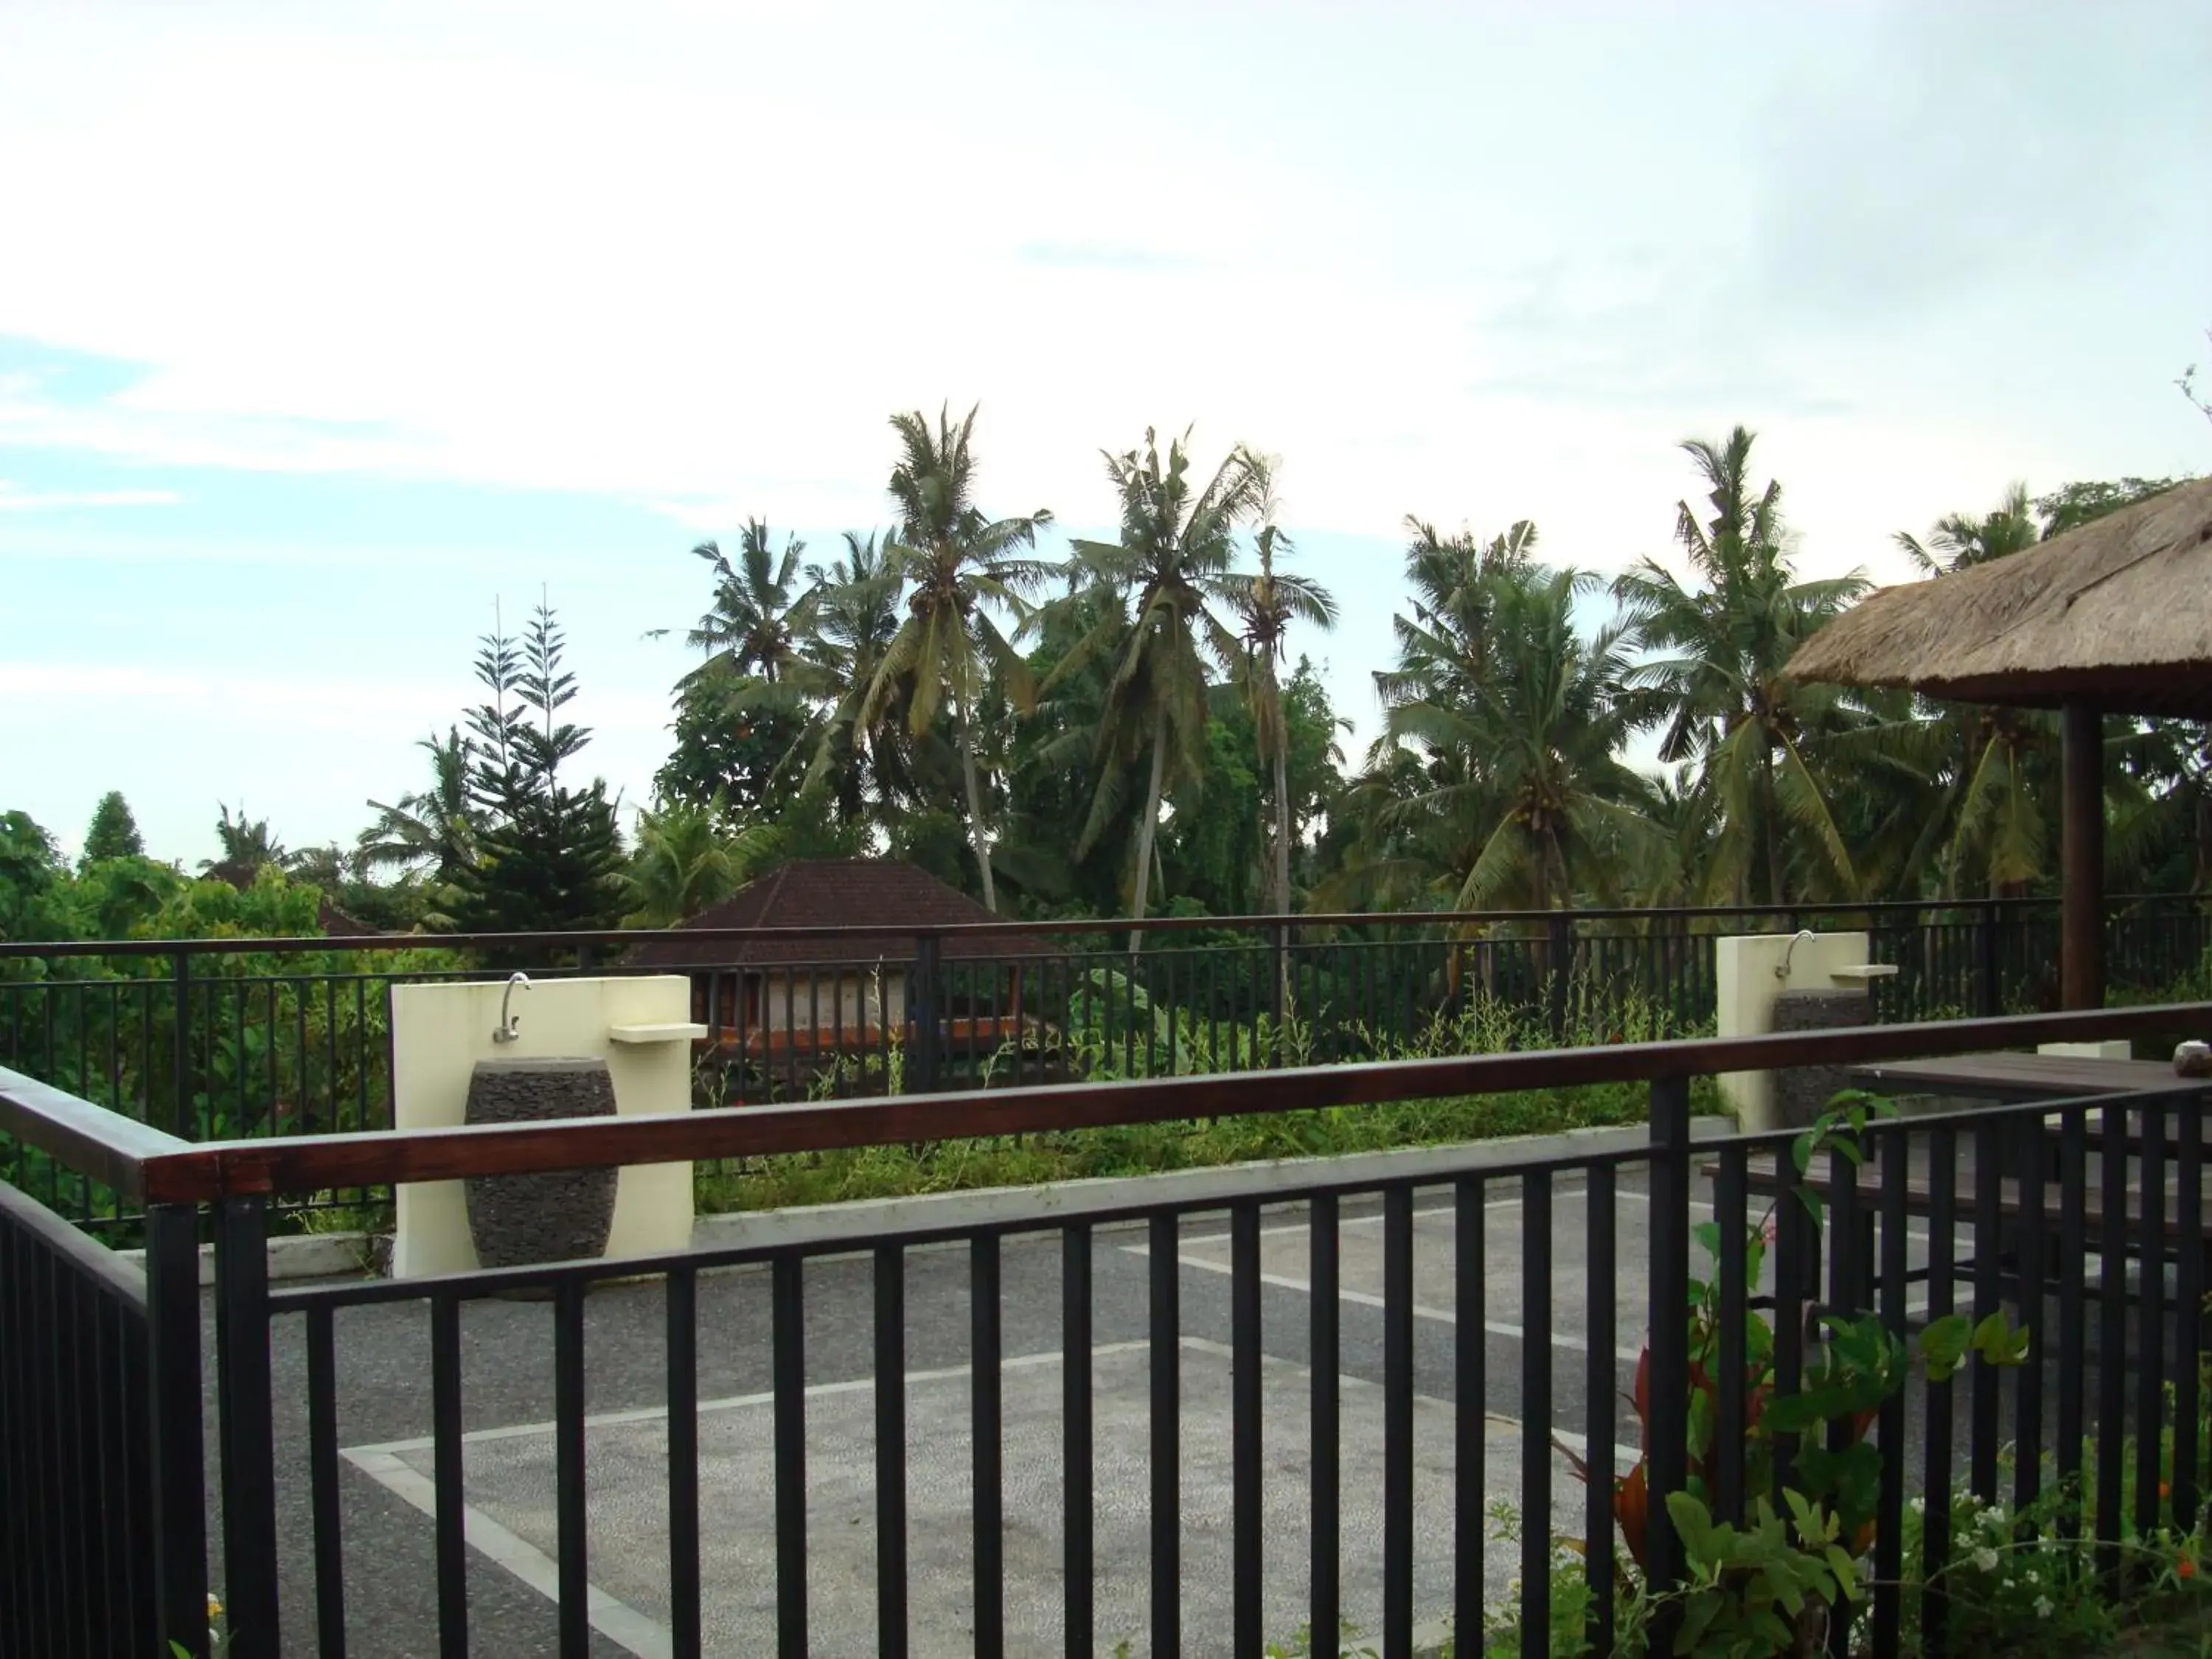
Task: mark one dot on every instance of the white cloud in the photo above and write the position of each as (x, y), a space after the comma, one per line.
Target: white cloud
(1471, 261)
(13, 499)
(696, 261)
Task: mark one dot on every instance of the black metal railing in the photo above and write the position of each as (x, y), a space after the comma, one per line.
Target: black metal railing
(220, 1039)
(1275, 1349)
(82, 1563)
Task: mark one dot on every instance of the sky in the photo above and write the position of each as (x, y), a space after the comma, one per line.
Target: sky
(325, 330)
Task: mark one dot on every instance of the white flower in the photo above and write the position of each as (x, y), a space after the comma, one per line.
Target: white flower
(2043, 1607)
(2007, 1582)
(1994, 1519)
(1985, 1559)
(1916, 1505)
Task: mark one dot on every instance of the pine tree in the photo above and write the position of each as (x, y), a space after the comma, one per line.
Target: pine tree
(551, 855)
(112, 833)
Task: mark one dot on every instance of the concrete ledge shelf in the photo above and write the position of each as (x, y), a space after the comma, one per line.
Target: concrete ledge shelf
(675, 1031)
(1860, 972)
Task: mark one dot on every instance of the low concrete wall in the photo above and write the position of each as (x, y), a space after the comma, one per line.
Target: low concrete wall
(1068, 1200)
(302, 1255)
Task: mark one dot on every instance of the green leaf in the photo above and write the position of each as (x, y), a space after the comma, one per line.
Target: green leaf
(1703, 1410)
(1846, 1571)
(1697, 1619)
(1757, 1343)
(2000, 1342)
(1708, 1233)
(1943, 1345)
(1790, 1597)
(1772, 1629)
(1801, 1152)
(1858, 1485)
(1693, 1524)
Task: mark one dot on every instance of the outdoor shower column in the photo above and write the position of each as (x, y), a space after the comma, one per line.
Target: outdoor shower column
(2081, 842)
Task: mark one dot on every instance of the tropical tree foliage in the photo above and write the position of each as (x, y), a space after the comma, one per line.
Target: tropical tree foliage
(550, 853)
(1711, 682)
(962, 565)
(1170, 567)
(753, 624)
(687, 860)
(1266, 604)
(112, 833)
(1137, 727)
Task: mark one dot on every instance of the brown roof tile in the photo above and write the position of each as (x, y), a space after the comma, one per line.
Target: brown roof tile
(880, 894)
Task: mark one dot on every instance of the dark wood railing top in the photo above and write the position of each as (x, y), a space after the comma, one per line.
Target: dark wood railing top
(144, 1163)
(109, 1147)
(621, 936)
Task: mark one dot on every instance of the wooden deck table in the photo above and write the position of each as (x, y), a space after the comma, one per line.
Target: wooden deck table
(2014, 1078)
(2017, 1080)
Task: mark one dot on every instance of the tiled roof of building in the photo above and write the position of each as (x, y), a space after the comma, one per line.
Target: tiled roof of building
(890, 898)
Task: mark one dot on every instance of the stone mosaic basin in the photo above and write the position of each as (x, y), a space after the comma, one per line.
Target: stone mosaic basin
(562, 1215)
(1802, 1093)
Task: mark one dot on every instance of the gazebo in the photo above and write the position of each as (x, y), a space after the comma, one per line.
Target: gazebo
(2113, 618)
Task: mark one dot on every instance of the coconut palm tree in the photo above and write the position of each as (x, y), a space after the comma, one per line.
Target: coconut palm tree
(1266, 602)
(2162, 803)
(1712, 679)
(1959, 541)
(756, 620)
(961, 563)
(686, 860)
(1537, 738)
(854, 619)
(434, 830)
(246, 848)
(1421, 809)
(1991, 766)
(1447, 626)
(1052, 762)
(1172, 562)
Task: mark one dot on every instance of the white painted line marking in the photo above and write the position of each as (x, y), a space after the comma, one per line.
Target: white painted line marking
(1304, 1287)
(619, 1622)
(736, 1402)
(1434, 1212)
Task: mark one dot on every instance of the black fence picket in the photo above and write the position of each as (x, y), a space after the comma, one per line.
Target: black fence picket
(78, 1563)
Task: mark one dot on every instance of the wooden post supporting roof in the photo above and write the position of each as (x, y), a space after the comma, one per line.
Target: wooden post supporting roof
(2081, 857)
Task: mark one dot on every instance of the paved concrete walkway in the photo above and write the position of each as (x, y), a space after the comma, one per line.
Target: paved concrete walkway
(384, 1422)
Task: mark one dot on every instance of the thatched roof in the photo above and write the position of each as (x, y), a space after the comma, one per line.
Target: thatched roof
(2117, 613)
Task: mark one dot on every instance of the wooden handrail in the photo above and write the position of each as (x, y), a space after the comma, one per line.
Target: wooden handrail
(181, 1174)
(109, 1147)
